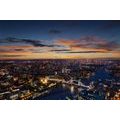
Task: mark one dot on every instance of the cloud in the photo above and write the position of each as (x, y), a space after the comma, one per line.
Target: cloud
(90, 42)
(66, 48)
(15, 49)
(85, 52)
(3, 50)
(110, 46)
(60, 50)
(19, 49)
(54, 31)
(9, 56)
(35, 43)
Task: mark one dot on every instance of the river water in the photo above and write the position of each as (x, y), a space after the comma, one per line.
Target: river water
(63, 92)
(59, 93)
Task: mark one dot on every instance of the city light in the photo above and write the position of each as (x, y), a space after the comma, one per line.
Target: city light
(59, 60)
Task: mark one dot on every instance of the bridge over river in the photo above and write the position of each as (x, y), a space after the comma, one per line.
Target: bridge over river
(74, 83)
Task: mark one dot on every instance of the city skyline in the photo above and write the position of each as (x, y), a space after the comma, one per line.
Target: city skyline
(54, 39)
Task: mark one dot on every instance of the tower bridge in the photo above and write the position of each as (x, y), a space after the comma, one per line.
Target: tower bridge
(71, 82)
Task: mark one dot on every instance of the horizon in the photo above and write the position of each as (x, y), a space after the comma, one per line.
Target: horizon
(63, 59)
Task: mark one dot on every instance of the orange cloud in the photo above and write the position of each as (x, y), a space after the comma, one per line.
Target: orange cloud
(86, 47)
(66, 42)
(89, 44)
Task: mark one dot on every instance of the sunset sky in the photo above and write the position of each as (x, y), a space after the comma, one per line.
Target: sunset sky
(59, 39)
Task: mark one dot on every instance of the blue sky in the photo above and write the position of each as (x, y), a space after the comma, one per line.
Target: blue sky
(67, 29)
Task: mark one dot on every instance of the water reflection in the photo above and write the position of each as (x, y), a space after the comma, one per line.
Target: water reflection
(72, 89)
(63, 85)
